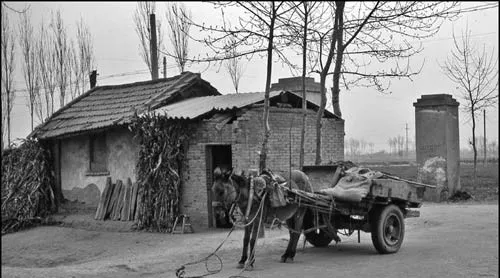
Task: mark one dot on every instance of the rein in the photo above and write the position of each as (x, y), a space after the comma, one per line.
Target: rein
(252, 194)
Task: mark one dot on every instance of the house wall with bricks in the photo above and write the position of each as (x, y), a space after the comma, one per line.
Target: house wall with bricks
(245, 135)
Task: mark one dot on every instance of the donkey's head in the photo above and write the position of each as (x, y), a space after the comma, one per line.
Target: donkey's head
(224, 187)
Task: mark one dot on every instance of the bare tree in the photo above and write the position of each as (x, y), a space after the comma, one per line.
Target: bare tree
(346, 147)
(305, 19)
(392, 145)
(8, 93)
(62, 54)
(30, 65)
(85, 59)
(492, 148)
(179, 23)
(363, 144)
(47, 66)
(373, 33)
(400, 141)
(475, 73)
(481, 147)
(74, 74)
(353, 147)
(325, 67)
(259, 30)
(143, 30)
(234, 68)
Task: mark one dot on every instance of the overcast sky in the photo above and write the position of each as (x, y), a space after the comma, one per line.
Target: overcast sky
(368, 114)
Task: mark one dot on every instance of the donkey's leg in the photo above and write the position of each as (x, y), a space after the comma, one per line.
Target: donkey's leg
(296, 224)
(246, 239)
(299, 220)
(291, 230)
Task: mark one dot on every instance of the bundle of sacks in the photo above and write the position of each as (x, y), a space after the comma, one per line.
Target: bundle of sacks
(354, 185)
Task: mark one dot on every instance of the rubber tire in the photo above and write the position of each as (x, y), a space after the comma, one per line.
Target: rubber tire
(382, 243)
(318, 240)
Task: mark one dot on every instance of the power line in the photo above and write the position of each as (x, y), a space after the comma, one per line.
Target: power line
(449, 38)
(102, 78)
(469, 9)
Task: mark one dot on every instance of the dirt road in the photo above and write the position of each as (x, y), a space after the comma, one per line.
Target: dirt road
(448, 240)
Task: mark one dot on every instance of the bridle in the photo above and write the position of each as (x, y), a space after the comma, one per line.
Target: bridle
(236, 191)
(251, 196)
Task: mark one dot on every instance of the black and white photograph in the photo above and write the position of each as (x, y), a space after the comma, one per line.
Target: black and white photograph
(249, 139)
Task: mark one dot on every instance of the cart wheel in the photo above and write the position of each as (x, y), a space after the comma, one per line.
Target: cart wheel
(388, 229)
(321, 239)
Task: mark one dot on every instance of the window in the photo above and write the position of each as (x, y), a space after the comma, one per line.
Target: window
(98, 159)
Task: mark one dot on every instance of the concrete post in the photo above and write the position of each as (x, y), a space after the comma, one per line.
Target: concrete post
(437, 145)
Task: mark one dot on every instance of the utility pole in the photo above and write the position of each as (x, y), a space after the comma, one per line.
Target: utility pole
(153, 47)
(164, 67)
(406, 139)
(484, 135)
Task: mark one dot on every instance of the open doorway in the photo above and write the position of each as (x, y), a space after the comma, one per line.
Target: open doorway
(217, 156)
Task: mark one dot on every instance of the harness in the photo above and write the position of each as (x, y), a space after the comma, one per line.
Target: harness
(252, 195)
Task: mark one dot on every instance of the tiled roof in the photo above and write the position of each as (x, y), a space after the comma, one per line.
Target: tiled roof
(107, 106)
(195, 107)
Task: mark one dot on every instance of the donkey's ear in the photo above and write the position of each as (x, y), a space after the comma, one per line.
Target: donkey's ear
(228, 172)
(217, 172)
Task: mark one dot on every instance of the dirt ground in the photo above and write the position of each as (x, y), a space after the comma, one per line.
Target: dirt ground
(448, 240)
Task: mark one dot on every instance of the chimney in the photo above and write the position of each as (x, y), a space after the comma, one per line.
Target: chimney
(153, 47)
(93, 78)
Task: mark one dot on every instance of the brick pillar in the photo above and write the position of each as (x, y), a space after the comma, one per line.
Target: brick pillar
(437, 145)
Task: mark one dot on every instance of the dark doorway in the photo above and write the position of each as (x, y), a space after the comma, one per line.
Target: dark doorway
(217, 156)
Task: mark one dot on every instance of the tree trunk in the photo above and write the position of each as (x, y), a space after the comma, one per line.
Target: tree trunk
(52, 103)
(336, 76)
(8, 120)
(304, 101)
(484, 137)
(474, 148)
(324, 72)
(31, 114)
(318, 119)
(267, 129)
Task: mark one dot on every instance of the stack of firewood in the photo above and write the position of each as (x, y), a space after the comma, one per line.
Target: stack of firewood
(26, 186)
(119, 201)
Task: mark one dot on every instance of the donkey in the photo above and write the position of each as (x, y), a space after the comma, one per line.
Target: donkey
(230, 188)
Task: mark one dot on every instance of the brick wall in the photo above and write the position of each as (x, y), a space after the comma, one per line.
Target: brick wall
(245, 137)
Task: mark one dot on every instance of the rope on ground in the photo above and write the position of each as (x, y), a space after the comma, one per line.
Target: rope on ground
(180, 272)
(252, 255)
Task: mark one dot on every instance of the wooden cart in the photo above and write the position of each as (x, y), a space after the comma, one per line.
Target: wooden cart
(381, 212)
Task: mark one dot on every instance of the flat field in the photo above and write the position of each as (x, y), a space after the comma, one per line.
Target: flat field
(486, 188)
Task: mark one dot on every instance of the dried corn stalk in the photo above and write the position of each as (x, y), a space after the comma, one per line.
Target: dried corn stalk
(27, 186)
(161, 158)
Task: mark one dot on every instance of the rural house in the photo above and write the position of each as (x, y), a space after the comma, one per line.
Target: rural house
(91, 141)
